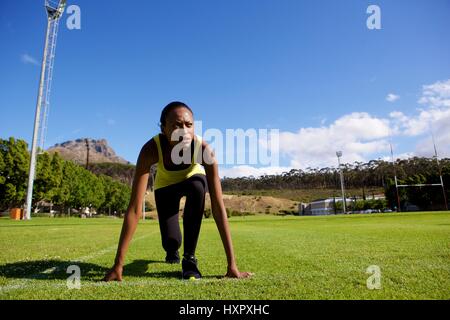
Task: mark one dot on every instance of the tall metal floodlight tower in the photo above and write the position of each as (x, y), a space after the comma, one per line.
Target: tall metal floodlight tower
(54, 9)
(339, 155)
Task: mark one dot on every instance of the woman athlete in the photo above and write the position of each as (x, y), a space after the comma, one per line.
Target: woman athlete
(188, 175)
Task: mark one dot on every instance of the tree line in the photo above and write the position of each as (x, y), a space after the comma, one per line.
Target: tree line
(62, 183)
(359, 175)
(68, 185)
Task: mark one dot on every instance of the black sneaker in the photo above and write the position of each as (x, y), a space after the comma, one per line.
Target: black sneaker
(190, 270)
(173, 257)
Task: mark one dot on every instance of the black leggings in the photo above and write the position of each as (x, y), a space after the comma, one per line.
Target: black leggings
(168, 204)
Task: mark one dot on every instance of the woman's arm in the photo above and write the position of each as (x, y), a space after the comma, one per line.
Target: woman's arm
(219, 211)
(147, 157)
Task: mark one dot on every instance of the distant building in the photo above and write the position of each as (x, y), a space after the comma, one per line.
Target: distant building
(321, 207)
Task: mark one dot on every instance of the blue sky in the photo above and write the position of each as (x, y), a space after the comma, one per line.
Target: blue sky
(311, 69)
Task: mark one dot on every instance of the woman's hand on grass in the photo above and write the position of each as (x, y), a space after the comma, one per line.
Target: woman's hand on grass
(115, 274)
(233, 272)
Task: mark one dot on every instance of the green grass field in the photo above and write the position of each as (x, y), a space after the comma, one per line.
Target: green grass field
(292, 258)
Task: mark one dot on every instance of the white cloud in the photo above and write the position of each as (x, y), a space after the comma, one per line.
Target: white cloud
(410, 125)
(434, 118)
(361, 136)
(357, 135)
(441, 132)
(436, 94)
(402, 156)
(392, 97)
(27, 59)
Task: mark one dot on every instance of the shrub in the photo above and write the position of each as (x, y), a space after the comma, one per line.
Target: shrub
(207, 213)
(149, 206)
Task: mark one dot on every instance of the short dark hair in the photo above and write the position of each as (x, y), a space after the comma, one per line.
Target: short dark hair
(171, 106)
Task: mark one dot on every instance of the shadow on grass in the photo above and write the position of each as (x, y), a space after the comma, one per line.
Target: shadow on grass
(49, 269)
(12, 225)
(175, 275)
(57, 270)
(140, 268)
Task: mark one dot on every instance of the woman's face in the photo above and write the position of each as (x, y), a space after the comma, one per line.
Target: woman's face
(179, 126)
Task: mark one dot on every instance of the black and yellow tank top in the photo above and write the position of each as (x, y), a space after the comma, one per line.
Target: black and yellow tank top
(166, 177)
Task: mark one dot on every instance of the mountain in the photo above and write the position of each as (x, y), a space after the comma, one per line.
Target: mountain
(76, 150)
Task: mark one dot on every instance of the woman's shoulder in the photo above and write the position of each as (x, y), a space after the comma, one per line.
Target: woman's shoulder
(155, 138)
(203, 142)
(150, 149)
(152, 142)
(207, 154)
